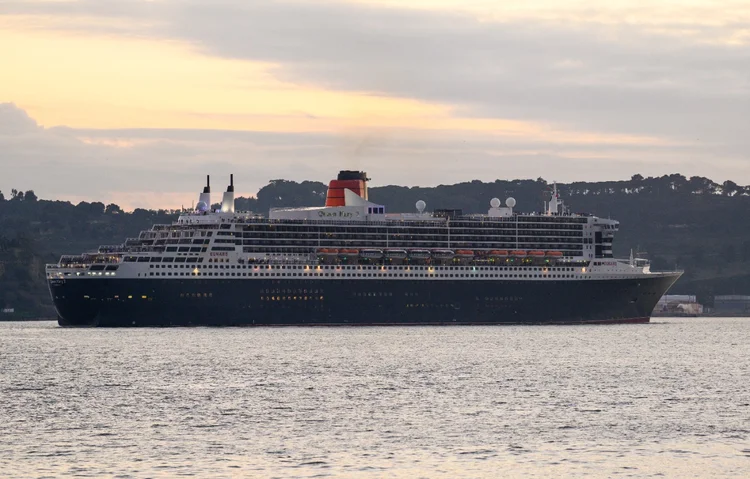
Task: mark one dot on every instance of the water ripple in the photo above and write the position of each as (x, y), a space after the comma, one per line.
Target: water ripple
(661, 400)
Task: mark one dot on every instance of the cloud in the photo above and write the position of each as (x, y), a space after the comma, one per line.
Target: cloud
(586, 70)
(163, 168)
(143, 167)
(14, 121)
(608, 93)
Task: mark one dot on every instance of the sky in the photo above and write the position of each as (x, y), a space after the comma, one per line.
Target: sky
(135, 101)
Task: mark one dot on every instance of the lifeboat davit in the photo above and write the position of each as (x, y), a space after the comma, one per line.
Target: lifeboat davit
(554, 254)
(518, 252)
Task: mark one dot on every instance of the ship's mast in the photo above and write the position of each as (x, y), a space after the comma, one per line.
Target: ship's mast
(555, 202)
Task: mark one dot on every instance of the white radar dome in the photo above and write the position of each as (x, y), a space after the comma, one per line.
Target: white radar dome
(495, 202)
(421, 205)
(201, 206)
(510, 202)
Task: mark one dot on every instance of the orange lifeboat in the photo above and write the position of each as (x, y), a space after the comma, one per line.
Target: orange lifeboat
(348, 251)
(465, 253)
(554, 254)
(328, 251)
(501, 253)
(518, 252)
(536, 254)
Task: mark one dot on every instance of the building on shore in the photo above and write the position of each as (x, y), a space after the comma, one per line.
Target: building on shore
(731, 305)
(678, 305)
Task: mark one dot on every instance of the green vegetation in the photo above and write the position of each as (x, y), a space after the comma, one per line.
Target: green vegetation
(35, 232)
(688, 223)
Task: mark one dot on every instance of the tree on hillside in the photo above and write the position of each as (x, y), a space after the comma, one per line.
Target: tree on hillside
(30, 196)
(701, 186)
(141, 214)
(112, 209)
(2, 196)
(91, 209)
(730, 188)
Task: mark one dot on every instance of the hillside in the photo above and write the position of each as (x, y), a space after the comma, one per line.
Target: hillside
(688, 223)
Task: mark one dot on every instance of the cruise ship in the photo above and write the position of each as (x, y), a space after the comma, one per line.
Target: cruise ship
(352, 262)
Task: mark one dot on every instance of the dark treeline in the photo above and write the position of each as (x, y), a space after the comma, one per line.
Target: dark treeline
(693, 224)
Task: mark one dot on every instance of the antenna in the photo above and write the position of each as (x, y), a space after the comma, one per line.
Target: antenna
(231, 183)
(207, 188)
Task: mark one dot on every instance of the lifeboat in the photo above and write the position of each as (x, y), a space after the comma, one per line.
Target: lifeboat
(395, 253)
(328, 251)
(536, 254)
(419, 254)
(443, 254)
(465, 253)
(555, 254)
(498, 253)
(371, 253)
(348, 252)
(519, 253)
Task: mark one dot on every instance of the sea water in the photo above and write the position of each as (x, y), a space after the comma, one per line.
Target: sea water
(665, 399)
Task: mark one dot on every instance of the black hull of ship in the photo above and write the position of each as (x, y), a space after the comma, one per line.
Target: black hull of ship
(302, 302)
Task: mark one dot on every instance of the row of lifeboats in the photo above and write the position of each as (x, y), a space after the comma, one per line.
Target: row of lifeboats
(523, 254)
(436, 253)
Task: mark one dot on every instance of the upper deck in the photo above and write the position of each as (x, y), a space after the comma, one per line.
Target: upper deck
(358, 227)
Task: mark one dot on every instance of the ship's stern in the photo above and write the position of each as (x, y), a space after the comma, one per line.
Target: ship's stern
(72, 302)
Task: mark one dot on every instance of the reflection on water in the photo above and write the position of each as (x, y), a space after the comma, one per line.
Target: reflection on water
(669, 398)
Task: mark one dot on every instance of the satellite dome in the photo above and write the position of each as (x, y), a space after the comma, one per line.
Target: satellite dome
(201, 206)
(421, 205)
(510, 202)
(495, 202)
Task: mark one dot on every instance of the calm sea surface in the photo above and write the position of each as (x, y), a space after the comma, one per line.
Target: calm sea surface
(666, 399)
